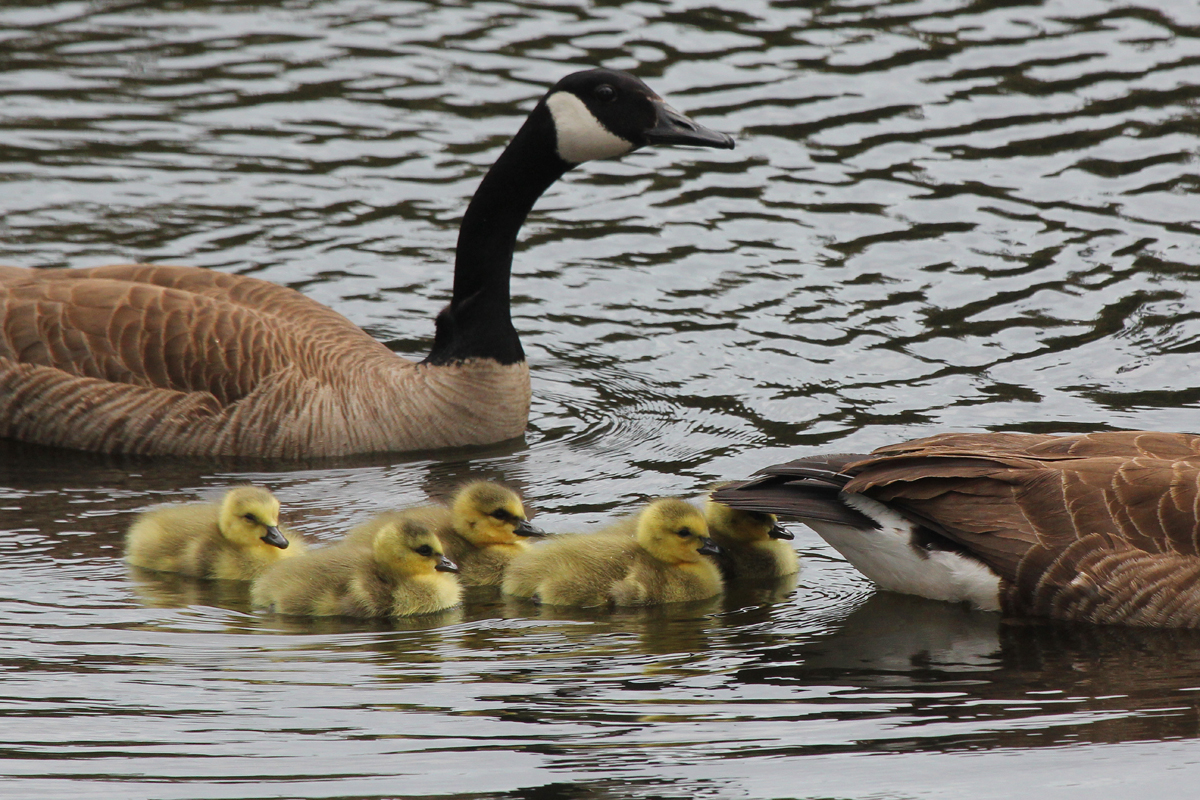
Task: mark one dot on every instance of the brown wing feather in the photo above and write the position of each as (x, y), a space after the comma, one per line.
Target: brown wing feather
(1103, 527)
(1047, 447)
(269, 300)
(181, 328)
(157, 360)
(46, 405)
(136, 334)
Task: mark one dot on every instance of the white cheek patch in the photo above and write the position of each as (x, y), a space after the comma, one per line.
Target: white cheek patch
(581, 137)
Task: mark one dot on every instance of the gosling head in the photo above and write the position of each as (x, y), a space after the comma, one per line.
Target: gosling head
(604, 113)
(487, 513)
(407, 547)
(674, 532)
(249, 516)
(736, 525)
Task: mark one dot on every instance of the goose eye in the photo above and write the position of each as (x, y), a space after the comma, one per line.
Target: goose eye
(251, 519)
(425, 550)
(501, 515)
(605, 93)
(683, 533)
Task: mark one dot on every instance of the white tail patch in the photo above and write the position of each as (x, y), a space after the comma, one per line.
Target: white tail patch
(582, 137)
(886, 556)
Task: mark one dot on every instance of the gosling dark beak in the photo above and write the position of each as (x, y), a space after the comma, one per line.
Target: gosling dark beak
(446, 565)
(274, 538)
(671, 127)
(709, 548)
(780, 532)
(525, 529)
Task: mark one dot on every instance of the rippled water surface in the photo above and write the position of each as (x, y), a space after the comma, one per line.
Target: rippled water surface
(940, 215)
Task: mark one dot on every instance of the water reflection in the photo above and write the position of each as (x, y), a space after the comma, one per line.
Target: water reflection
(889, 640)
(1005, 683)
(170, 590)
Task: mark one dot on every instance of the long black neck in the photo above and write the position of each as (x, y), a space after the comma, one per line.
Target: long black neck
(477, 323)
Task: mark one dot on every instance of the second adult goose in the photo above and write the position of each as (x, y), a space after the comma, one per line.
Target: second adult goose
(1102, 527)
(187, 361)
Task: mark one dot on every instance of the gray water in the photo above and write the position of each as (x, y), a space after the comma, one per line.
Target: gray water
(940, 215)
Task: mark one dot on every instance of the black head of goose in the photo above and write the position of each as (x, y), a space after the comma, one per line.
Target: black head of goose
(1097, 528)
(188, 361)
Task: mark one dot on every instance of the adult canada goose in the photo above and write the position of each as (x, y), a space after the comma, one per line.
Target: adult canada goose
(481, 531)
(753, 545)
(398, 572)
(1098, 527)
(235, 539)
(663, 563)
(188, 361)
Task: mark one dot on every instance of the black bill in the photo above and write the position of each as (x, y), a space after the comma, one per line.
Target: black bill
(274, 538)
(671, 127)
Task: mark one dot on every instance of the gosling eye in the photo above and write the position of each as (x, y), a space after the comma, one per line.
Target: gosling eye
(253, 520)
(683, 533)
(424, 550)
(501, 515)
(605, 93)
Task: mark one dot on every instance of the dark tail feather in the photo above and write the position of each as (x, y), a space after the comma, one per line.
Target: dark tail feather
(806, 489)
(831, 467)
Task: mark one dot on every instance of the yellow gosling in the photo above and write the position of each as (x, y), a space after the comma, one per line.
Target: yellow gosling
(488, 529)
(482, 530)
(234, 540)
(750, 542)
(664, 562)
(393, 567)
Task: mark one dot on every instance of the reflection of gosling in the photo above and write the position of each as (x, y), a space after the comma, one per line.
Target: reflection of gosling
(750, 543)
(393, 567)
(663, 563)
(484, 528)
(235, 540)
